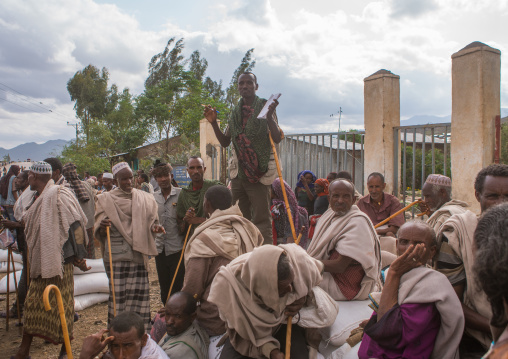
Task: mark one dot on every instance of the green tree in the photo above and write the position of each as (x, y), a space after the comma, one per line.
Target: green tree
(89, 89)
(439, 162)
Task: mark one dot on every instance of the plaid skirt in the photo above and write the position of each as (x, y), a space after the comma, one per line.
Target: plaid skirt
(46, 324)
(132, 290)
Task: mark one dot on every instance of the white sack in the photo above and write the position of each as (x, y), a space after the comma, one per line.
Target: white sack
(91, 283)
(87, 300)
(12, 288)
(17, 267)
(96, 264)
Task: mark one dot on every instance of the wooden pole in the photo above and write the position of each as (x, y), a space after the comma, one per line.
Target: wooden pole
(27, 266)
(61, 310)
(112, 274)
(179, 262)
(397, 213)
(297, 240)
(8, 289)
(16, 288)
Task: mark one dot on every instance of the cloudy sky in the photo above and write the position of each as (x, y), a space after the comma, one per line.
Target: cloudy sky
(316, 53)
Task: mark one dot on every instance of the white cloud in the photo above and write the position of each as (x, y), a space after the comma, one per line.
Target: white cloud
(318, 58)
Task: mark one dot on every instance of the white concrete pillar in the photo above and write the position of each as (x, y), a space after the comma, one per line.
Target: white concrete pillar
(382, 113)
(207, 138)
(476, 82)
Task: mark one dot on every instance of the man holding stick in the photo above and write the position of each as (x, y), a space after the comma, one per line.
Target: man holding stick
(56, 238)
(252, 167)
(133, 220)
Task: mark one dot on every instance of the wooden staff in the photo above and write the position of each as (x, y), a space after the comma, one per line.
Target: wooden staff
(8, 289)
(27, 266)
(16, 287)
(297, 240)
(112, 274)
(61, 310)
(397, 213)
(179, 262)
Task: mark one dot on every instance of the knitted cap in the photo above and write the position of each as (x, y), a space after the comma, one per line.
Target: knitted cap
(439, 180)
(120, 166)
(41, 167)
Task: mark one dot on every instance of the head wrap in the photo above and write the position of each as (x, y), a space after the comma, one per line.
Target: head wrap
(302, 174)
(41, 168)
(439, 180)
(120, 166)
(107, 175)
(4, 182)
(77, 186)
(293, 204)
(323, 182)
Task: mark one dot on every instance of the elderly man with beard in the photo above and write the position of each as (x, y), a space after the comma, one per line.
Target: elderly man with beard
(417, 314)
(345, 241)
(437, 202)
(55, 238)
(133, 220)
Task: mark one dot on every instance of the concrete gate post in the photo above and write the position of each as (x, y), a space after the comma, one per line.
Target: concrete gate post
(476, 82)
(207, 138)
(382, 113)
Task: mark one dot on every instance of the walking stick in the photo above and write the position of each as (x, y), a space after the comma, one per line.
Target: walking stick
(61, 310)
(179, 261)
(27, 267)
(16, 288)
(112, 275)
(297, 240)
(8, 289)
(397, 213)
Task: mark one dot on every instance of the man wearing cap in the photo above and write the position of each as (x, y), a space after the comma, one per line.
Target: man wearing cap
(84, 193)
(437, 202)
(132, 218)
(55, 238)
(107, 183)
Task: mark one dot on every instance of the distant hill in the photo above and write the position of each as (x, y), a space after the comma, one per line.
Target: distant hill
(34, 151)
(429, 119)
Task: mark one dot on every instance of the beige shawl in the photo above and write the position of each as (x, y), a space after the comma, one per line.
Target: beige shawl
(133, 218)
(354, 236)
(447, 210)
(246, 293)
(47, 224)
(424, 285)
(459, 230)
(225, 234)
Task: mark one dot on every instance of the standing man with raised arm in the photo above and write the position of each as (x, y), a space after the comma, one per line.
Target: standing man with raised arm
(252, 167)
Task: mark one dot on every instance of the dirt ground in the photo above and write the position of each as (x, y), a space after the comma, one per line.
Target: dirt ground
(91, 320)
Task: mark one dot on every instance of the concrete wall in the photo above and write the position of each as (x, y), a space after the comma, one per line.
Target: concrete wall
(476, 86)
(382, 113)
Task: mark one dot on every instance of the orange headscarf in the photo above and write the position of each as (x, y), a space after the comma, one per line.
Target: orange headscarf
(323, 182)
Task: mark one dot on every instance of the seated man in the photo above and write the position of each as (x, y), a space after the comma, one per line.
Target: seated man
(436, 193)
(347, 244)
(221, 238)
(455, 259)
(379, 205)
(127, 339)
(417, 314)
(256, 291)
(184, 339)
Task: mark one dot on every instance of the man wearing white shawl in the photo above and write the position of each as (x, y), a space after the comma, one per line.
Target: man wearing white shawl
(225, 235)
(436, 194)
(56, 239)
(132, 216)
(456, 257)
(256, 291)
(417, 314)
(346, 242)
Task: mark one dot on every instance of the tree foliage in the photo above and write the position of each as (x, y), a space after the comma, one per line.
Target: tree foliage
(439, 162)
(247, 64)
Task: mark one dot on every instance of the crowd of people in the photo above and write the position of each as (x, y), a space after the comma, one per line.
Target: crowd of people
(234, 263)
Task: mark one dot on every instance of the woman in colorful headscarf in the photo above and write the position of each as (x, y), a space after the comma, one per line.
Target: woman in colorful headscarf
(305, 190)
(321, 202)
(280, 225)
